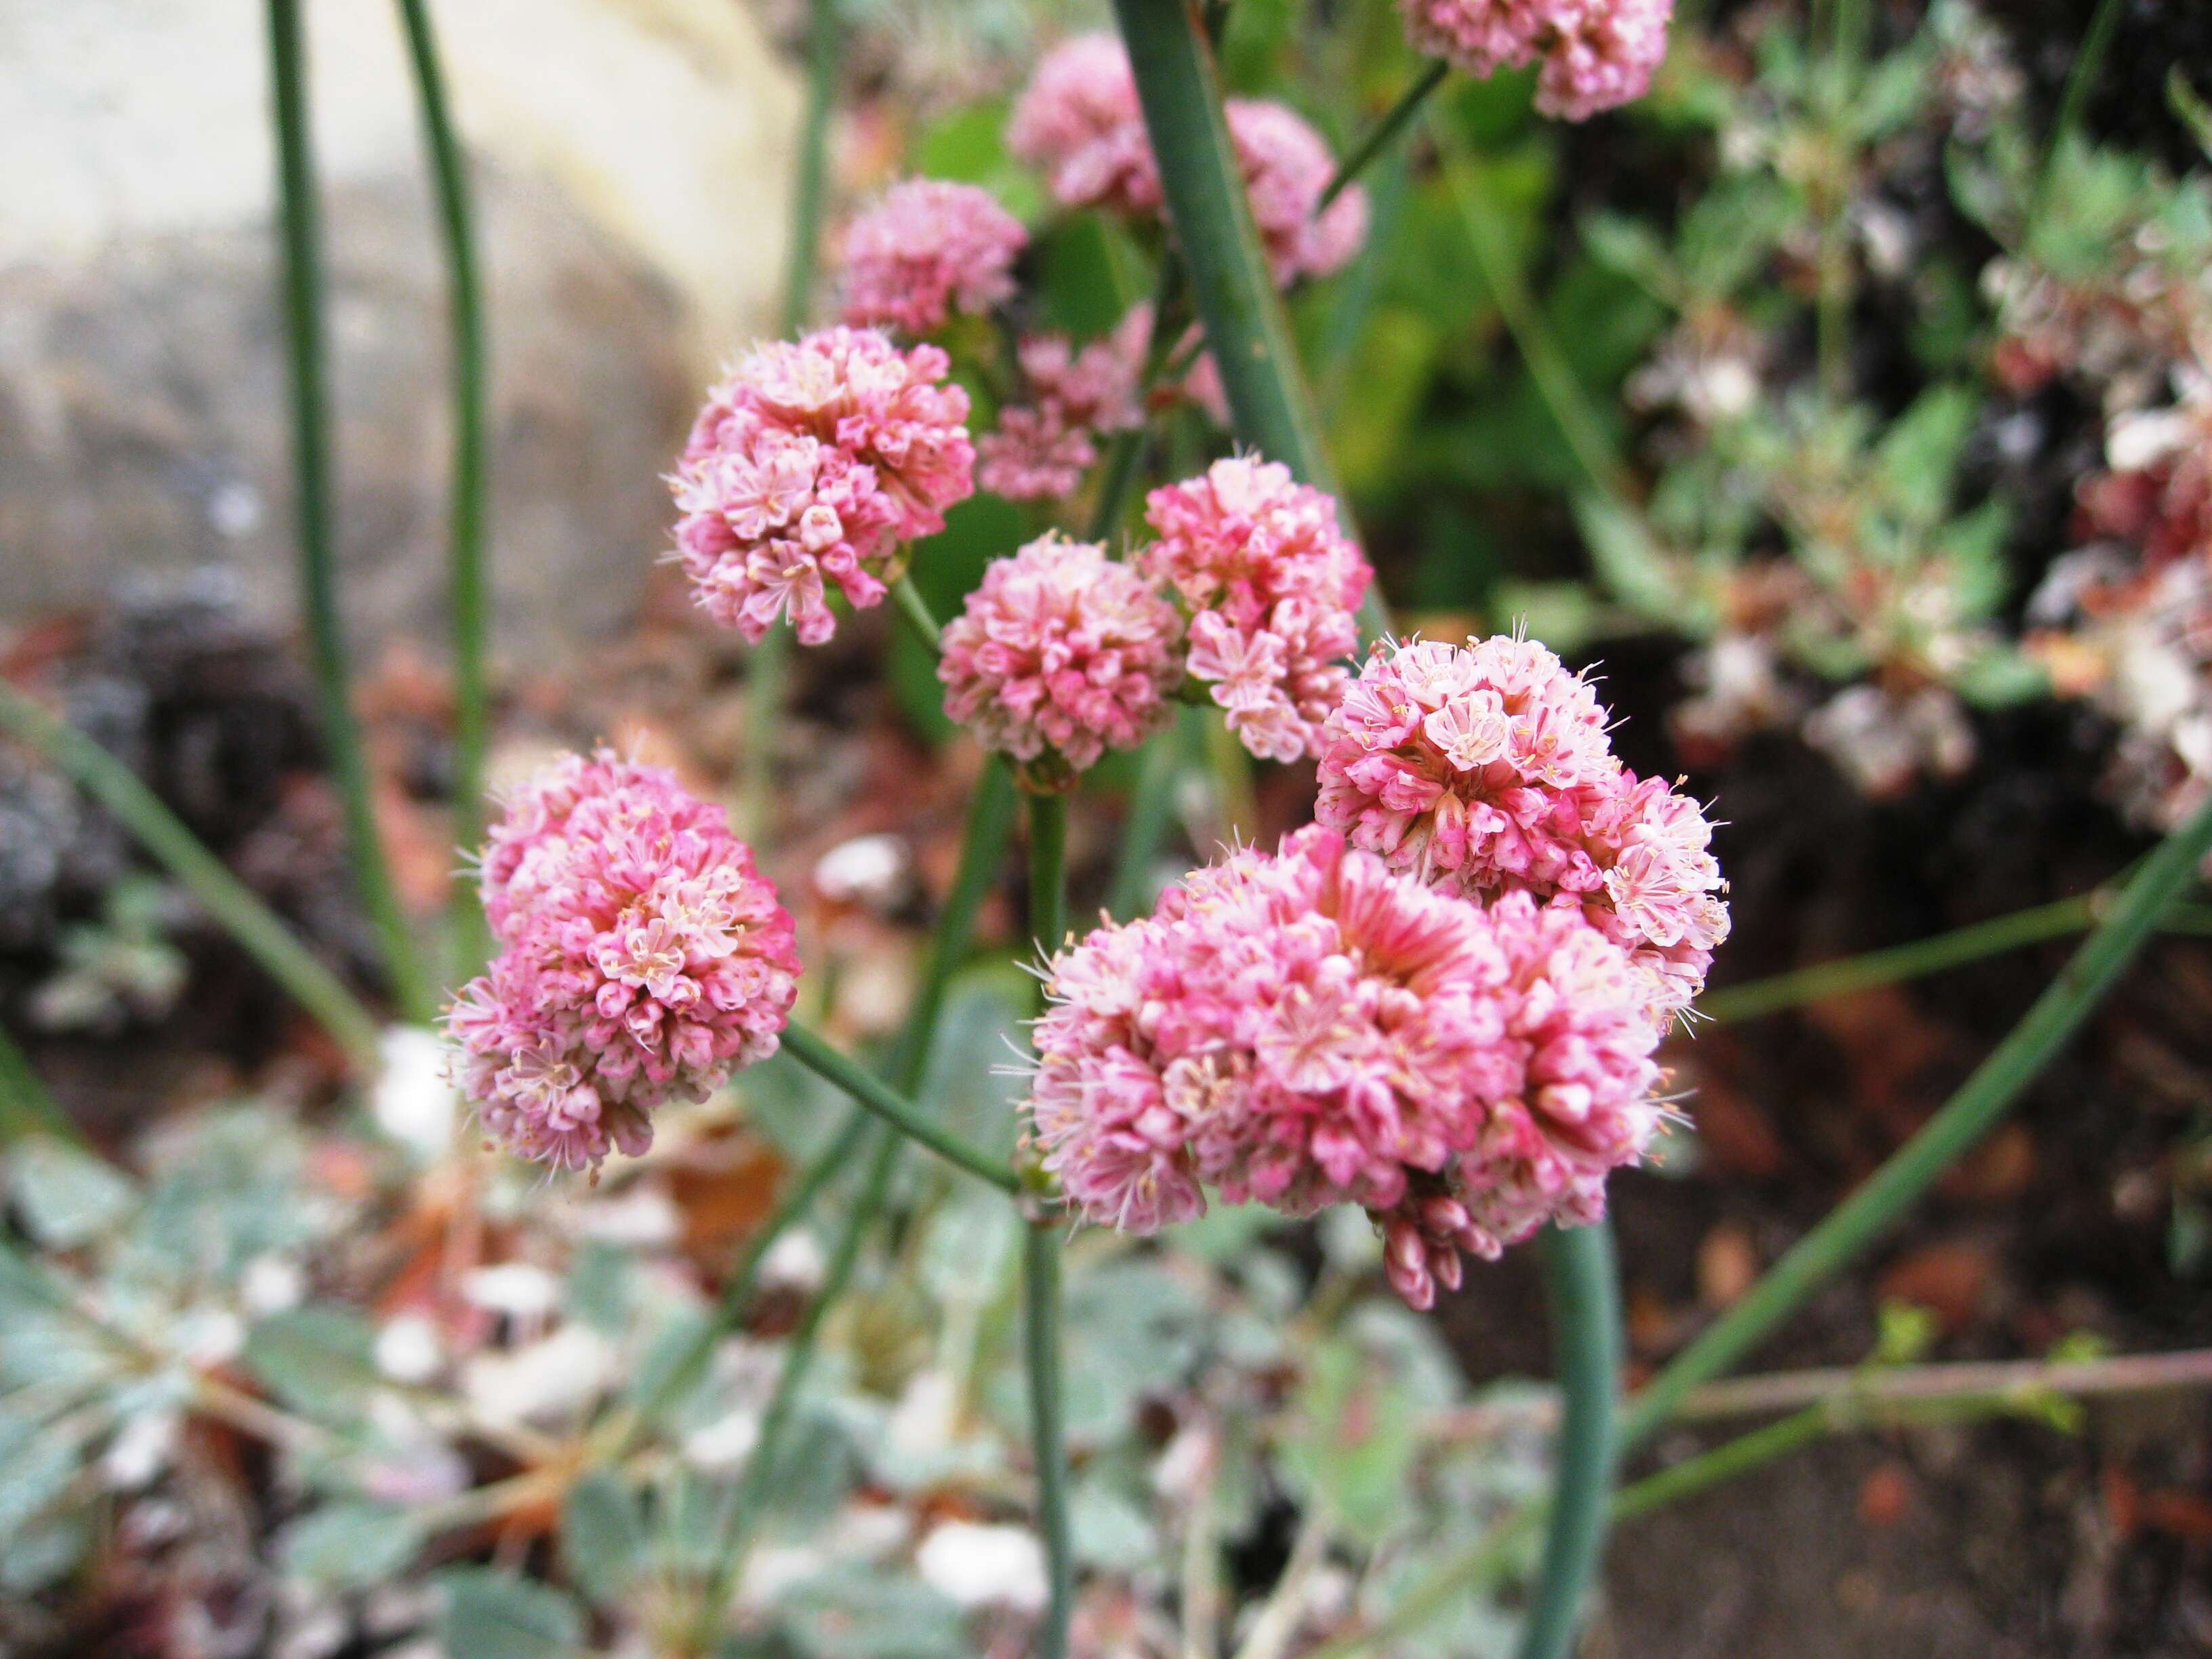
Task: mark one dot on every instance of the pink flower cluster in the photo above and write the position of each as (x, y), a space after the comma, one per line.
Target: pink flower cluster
(1307, 1028)
(928, 249)
(1594, 54)
(1487, 768)
(1273, 586)
(1061, 655)
(1079, 122)
(641, 960)
(817, 462)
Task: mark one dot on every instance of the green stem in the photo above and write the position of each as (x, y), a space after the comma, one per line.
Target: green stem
(1181, 95)
(895, 1109)
(915, 609)
(469, 593)
(735, 1533)
(1384, 132)
(1047, 873)
(311, 460)
(1889, 966)
(1723, 1463)
(745, 1277)
(1584, 1290)
(767, 669)
(26, 1107)
(811, 187)
(1041, 1352)
(1548, 368)
(1980, 1102)
(1040, 1261)
(257, 929)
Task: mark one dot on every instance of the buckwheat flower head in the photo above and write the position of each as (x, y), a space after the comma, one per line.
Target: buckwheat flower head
(1594, 54)
(1306, 1027)
(814, 463)
(1487, 768)
(1286, 165)
(1079, 122)
(642, 960)
(1273, 586)
(1061, 655)
(1583, 1104)
(928, 249)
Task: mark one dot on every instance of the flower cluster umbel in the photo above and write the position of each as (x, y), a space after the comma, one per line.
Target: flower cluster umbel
(1309, 1027)
(1061, 654)
(641, 960)
(816, 463)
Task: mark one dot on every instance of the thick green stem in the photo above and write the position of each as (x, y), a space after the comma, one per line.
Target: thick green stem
(257, 929)
(1584, 1290)
(1041, 1352)
(1041, 1262)
(1047, 873)
(1181, 95)
(1384, 132)
(311, 461)
(27, 1108)
(895, 1109)
(1981, 1101)
(468, 590)
(768, 667)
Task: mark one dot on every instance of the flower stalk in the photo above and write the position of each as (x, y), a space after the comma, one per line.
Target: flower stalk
(844, 1072)
(311, 460)
(1970, 1113)
(1583, 1289)
(468, 588)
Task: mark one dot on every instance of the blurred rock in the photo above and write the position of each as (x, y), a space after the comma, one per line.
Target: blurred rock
(630, 167)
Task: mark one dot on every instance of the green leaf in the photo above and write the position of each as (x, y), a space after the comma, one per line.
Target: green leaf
(345, 1545)
(969, 146)
(860, 1612)
(602, 1536)
(35, 1472)
(1918, 456)
(37, 1556)
(1393, 366)
(320, 1360)
(67, 1196)
(488, 1614)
